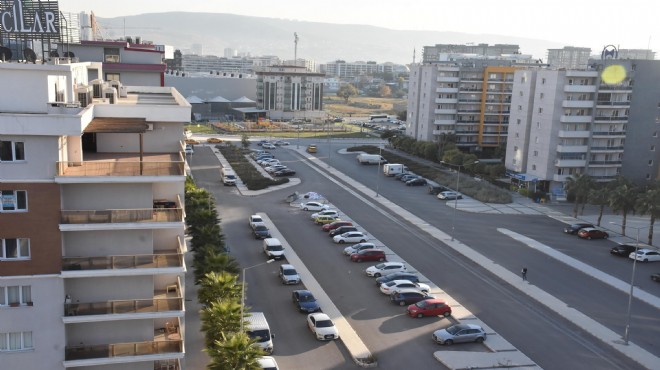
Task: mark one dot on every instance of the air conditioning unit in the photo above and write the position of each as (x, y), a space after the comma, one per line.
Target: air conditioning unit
(97, 86)
(123, 92)
(111, 94)
(150, 126)
(84, 94)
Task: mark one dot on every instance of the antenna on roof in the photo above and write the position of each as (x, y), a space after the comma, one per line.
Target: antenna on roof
(295, 50)
(30, 55)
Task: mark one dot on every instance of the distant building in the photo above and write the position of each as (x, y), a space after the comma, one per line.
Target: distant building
(569, 57)
(290, 92)
(212, 63)
(639, 54)
(351, 70)
(307, 63)
(197, 49)
(432, 53)
(230, 53)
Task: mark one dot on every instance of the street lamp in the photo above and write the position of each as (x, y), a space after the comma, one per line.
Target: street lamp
(243, 289)
(380, 154)
(626, 333)
(458, 177)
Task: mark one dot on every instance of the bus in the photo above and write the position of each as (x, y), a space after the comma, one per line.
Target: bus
(379, 118)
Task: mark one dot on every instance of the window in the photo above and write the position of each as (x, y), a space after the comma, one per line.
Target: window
(112, 77)
(540, 110)
(12, 151)
(11, 249)
(541, 96)
(536, 153)
(520, 107)
(517, 135)
(111, 55)
(515, 148)
(538, 124)
(650, 162)
(16, 341)
(518, 121)
(653, 148)
(13, 200)
(533, 167)
(15, 295)
(543, 81)
(536, 139)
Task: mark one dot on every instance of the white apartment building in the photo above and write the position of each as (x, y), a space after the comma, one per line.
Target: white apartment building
(290, 92)
(569, 57)
(212, 63)
(91, 243)
(565, 122)
(348, 70)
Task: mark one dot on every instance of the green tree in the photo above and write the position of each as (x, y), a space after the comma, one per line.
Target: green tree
(622, 197)
(245, 141)
(208, 259)
(236, 351)
(346, 91)
(220, 317)
(578, 185)
(218, 285)
(599, 196)
(648, 203)
(384, 91)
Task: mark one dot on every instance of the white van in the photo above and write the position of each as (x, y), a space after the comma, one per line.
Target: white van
(257, 328)
(228, 176)
(391, 169)
(365, 158)
(273, 248)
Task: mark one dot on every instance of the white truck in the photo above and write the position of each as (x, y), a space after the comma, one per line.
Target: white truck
(228, 176)
(391, 169)
(364, 158)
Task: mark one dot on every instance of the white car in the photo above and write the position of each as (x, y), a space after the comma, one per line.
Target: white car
(314, 206)
(385, 268)
(267, 363)
(269, 162)
(450, 195)
(274, 168)
(645, 255)
(268, 146)
(350, 237)
(189, 149)
(394, 286)
(327, 212)
(255, 220)
(281, 143)
(358, 247)
(322, 327)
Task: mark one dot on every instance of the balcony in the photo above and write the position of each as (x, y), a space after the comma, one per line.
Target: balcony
(447, 79)
(444, 122)
(619, 88)
(113, 216)
(620, 104)
(130, 265)
(445, 111)
(605, 163)
(446, 100)
(572, 148)
(605, 149)
(580, 88)
(122, 307)
(620, 119)
(609, 134)
(122, 165)
(574, 134)
(575, 119)
(446, 90)
(578, 73)
(172, 348)
(577, 103)
(560, 178)
(442, 132)
(570, 162)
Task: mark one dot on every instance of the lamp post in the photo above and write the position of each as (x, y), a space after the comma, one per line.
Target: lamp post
(626, 333)
(243, 289)
(458, 177)
(380, 154)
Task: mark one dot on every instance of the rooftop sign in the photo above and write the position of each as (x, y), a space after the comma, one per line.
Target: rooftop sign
(29, 18)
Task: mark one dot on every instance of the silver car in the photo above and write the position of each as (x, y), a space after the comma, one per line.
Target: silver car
(289, 275)
(459, 333)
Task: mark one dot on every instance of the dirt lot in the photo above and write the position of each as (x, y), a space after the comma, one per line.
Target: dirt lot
(363, 106)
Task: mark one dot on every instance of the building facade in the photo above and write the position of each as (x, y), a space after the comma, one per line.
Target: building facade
(92, 184)
(290, 92)
(351, 70)
(569, 57)
(434, 53)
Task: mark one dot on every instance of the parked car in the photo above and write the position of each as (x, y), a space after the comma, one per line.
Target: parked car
(269, 146)
(284, 172)
(350, 237)
(645, 255)
(459, 333)
(355, 248)
(416, 182)
(429, 307)
(255, 219)
(265, 162)
(322, 220)
(395, 286)
(281, 143)
(322, 327)
(407, 297)
(311, 148)
(574, 228)
(450, 195)
(313, 206)
(408, 177)
(403, 275)
(623, 250)
(213, 140)
(656, 277)
(369, 255)
(398, 176)
(191, 141)
(336, 224)
(326, 212)
(340, 230)
(260, 231)
(274, 168)
(437, 189)
(305, 301)
(289, 275)
(385, 268)
(262, 142)
(592, 233)
(267, 363)
(189, 149)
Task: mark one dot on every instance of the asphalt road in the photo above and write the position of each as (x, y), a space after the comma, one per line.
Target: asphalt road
(399, 341)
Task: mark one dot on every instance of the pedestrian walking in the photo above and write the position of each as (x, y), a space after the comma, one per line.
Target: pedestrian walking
(524, 273)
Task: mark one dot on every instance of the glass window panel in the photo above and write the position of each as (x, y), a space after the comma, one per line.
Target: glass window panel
(11, 248)
(5, 151)
(14, 341)
(13, 294)
(3, 300)
(21, 199)
(19, 151)
(8, 200)
(27, 293)
(3, 342)
(27, 339)
(24, 247)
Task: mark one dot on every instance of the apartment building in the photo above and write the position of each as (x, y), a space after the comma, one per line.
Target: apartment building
(212, 63)
(468, 98)
(351, 70)
(92, 183)
(569, 57)
(566, 122)
(435, 53)
(290, 92)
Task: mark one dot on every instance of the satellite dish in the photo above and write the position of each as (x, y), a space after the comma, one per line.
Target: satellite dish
(5, 53)
(69, 54)
(30, 55)
(54, 54)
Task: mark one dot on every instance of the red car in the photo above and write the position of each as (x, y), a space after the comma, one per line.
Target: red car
(336, 224)
(429, 307)
(369, 255)
(591, 233)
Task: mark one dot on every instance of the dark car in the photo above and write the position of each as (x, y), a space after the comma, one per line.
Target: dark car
(336, 224)
(342, 229)
(398, 176)
(369, 255)
(408, 177)
(656, 277)
(284, 172)
(574, 228)
(261, 232)
(437, 189)
(592, 233)
(416, 182)
(305, 301)
(623, 250)
(410, 276)
(406, 297)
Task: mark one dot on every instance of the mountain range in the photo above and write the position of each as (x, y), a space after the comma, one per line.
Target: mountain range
(321, 42)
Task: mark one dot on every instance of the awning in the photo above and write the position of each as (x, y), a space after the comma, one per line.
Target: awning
(117, 125)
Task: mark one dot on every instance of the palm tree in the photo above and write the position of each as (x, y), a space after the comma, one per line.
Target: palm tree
(598, 196)
(220, 317)
(649, 203)
(207, 234)
(216, 286)
(622, 197)
(235, 351)
(208, 259)
(578, 185)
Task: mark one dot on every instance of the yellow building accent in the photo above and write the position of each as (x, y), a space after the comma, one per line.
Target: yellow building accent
(502, 104)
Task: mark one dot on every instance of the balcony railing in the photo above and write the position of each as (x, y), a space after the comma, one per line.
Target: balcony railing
(123, 307)
(122, 216)
(123, 349)
(609, 133)
(611, 118)
(120, 168)
(122, 262)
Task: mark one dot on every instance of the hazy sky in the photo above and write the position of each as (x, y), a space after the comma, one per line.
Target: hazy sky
(631, 24)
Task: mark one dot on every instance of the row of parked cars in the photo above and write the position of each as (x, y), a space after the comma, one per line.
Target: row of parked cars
(271, 164)
(392, 277)
(441, 191)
